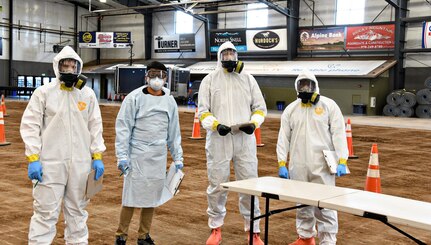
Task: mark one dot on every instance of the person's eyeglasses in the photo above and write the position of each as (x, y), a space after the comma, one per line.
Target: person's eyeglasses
(159, 74)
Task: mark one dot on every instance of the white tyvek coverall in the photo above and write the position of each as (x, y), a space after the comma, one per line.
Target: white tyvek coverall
(145, 125)
(64, 128)
(306, 130)
(229, 99)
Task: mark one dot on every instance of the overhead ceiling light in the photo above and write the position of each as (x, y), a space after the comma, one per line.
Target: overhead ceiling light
(102, 1)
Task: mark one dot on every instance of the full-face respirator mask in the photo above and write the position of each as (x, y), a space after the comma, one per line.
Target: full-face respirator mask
(69, 70)
(230, 62)
(307, 91)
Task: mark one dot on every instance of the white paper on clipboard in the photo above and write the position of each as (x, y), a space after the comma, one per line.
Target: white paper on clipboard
(172, 183)
(173, 179)
(332, 161)
(235, 128)
(93, 186)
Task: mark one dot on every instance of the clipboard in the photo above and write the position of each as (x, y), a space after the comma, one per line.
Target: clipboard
(331, 159)
(93, 186)
(235, 128)
(174, 179)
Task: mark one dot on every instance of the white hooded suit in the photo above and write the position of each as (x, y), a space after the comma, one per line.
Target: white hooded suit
(229, 99)
(306, 130)
(63, 128)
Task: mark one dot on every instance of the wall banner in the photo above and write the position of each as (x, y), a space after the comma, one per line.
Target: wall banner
(370, 37)
(267, 40)
(321, 39)
(238, 38)
(174, 43)
(92, 39)
(426, 35)
(333, 68)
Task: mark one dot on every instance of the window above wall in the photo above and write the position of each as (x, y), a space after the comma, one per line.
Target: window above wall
(350, 12)
(257, 15)
(183, 23)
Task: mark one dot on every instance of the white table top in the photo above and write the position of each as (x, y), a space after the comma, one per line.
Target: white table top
(287, 190)
(397, 210)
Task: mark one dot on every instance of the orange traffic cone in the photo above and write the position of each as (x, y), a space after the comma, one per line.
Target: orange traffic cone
(350, 140)
(196, 133)
(373, 175)
(2, 131)
(258, 140)
(3, 106)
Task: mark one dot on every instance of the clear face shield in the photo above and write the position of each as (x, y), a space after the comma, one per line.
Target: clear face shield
(228, 55)
(306, 85)
(69, 66)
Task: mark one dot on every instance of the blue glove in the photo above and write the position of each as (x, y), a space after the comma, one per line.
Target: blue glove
(35, 171)
(178, 165)
(283, 172)
(341, 170)
(123, 166)
(99, 167)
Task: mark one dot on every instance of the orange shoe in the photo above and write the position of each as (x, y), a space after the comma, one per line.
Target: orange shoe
(304, 241)
(215, 237)
(256, 239)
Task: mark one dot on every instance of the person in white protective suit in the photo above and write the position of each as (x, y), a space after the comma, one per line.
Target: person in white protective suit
(309, 125)
(147, 124)
(228, 98)
(62, 132)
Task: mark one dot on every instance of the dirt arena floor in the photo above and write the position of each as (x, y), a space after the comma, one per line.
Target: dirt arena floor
(405, 169)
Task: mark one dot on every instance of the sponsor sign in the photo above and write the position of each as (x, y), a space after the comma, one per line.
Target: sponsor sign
(122, 38)
(187, 43)
(426, 35)
(266, 40)
(238, 39)
(370, 37)
(94, 39)
(321, 39)
(104, 39)
(174, 43)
